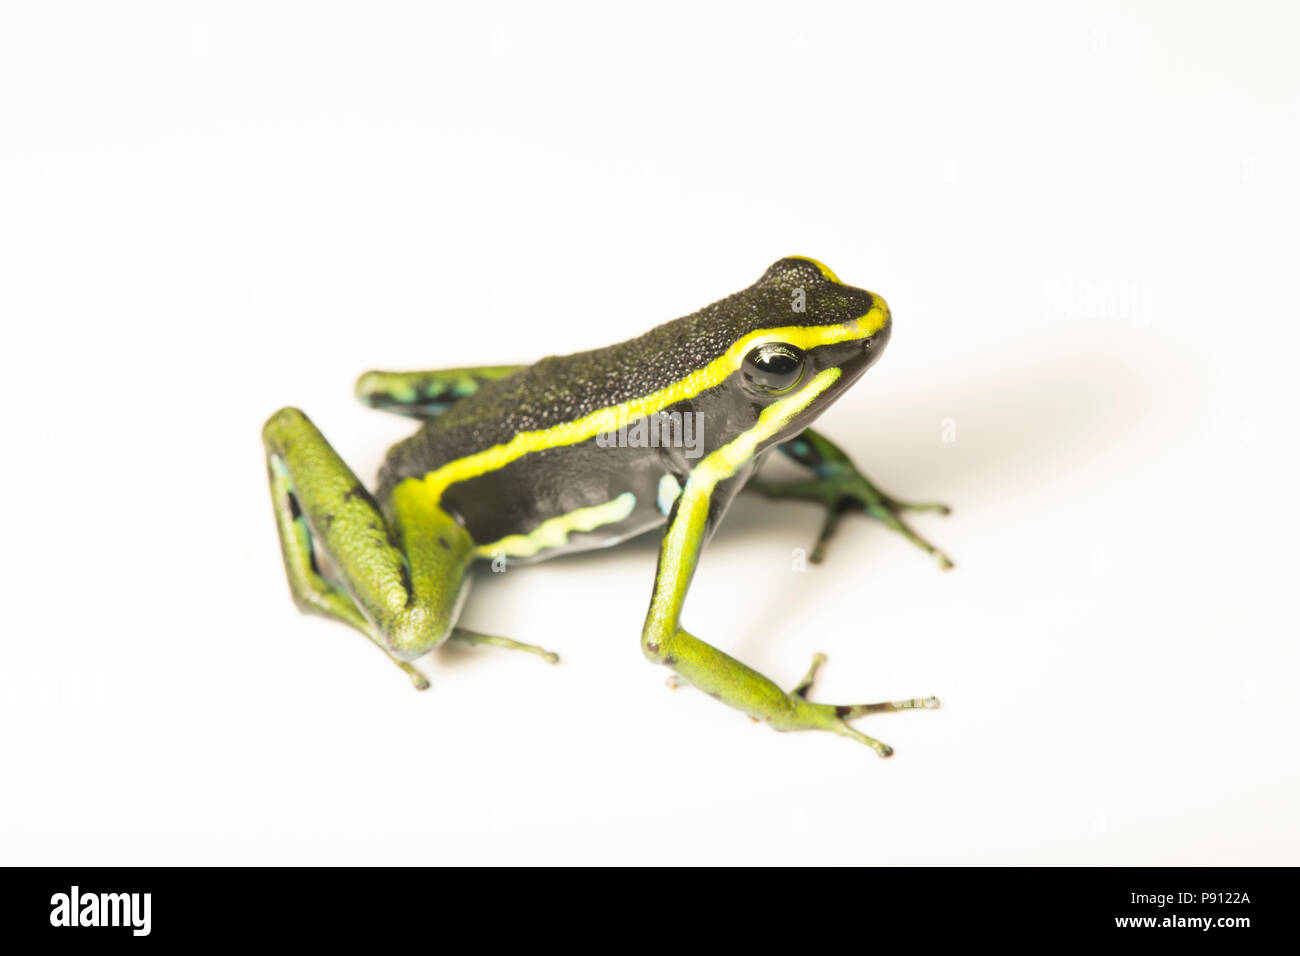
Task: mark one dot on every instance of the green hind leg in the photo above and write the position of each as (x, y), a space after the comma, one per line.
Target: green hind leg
(312, 592)
(425, 394)
(398, 579)
(840, 488)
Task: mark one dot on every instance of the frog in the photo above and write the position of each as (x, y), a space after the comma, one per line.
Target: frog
(516, 464)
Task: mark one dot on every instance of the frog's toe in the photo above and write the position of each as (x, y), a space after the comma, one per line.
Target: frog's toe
(848, 712)
(938, 507)
(466, 636)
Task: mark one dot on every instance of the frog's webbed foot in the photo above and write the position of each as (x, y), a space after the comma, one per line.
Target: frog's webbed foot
(806, 715)
(841, 494)
(840, 488)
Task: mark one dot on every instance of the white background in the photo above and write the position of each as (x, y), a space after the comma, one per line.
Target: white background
(1083, 216)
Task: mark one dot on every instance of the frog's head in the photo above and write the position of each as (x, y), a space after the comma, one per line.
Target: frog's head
(800, 338)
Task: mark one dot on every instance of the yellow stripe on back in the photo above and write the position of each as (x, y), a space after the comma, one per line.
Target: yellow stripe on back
(608, 419)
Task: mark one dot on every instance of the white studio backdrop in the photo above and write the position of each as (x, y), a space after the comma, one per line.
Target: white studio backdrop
(1084, 219)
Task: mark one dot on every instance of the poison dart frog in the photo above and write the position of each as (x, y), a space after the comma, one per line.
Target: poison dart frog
(517, 464)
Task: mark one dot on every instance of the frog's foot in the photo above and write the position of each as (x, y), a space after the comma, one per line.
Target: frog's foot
(839, 486)
(474, 637)
(803, 714)
(849, 490)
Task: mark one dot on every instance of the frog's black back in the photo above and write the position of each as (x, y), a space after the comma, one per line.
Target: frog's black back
(562, 388)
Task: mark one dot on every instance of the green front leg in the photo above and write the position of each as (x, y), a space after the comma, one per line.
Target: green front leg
(840, 487)
(665, 641)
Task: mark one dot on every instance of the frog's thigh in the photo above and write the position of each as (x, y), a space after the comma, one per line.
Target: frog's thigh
(312, 592)
(406, 579)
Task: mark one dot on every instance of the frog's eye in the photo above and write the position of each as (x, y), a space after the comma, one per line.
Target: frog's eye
(773, 367)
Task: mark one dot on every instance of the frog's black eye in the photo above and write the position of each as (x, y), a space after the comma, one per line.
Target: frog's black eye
(773, 367)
